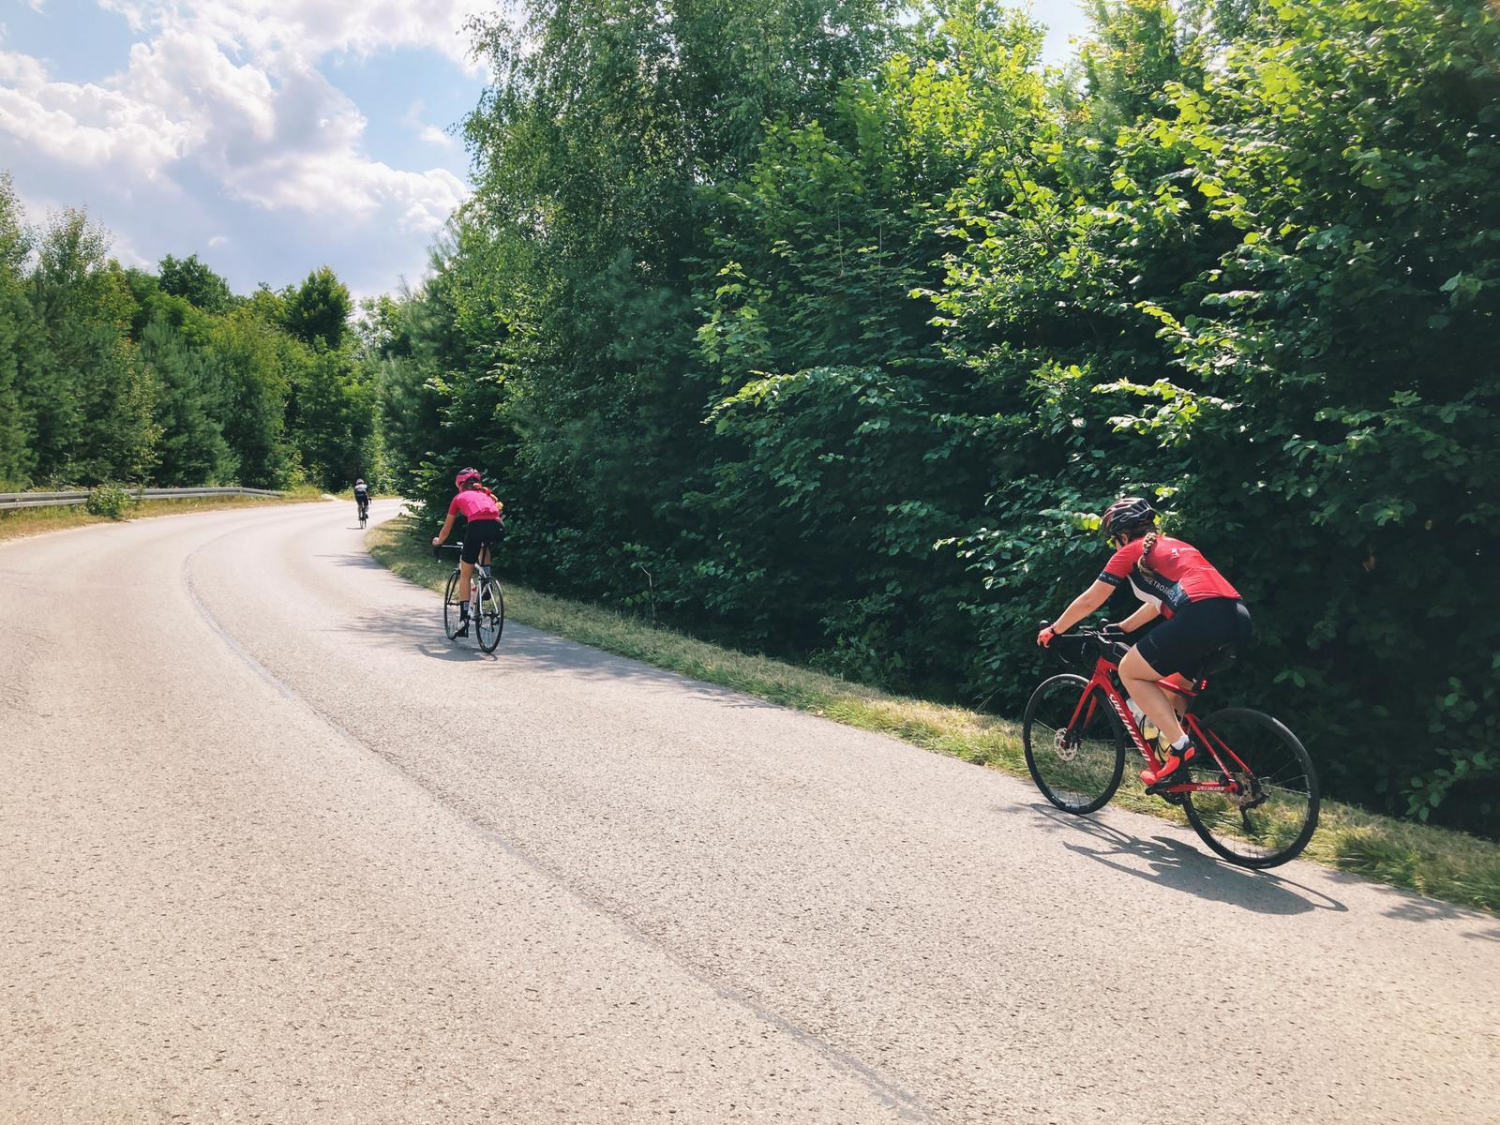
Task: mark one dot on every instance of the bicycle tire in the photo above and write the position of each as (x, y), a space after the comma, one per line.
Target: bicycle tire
(1077, 772)
(452, 619)
(1276, 830)
(491, 617)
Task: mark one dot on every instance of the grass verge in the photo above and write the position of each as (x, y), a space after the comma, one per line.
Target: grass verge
(1446, 865)
(19, 523)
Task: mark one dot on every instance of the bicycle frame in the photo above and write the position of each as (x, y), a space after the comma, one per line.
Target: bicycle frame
(478, 576)
(1104, 683)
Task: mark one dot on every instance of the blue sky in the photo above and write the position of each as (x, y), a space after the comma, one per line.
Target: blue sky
(267, 136)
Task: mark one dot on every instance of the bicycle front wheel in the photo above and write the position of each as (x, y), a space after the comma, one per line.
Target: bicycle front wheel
(452, 614)
(1271, 817)
(491, 621)
(1075, 762)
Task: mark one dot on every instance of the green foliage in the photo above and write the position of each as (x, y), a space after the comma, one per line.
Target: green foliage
(16, 458)
(317, 311)
(195, 283)
(111, 501)
(190, 392)
(114, 374)
(832, 343)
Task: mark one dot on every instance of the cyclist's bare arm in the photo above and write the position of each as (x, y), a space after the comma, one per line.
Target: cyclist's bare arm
(1083, 605)
(447, 527)
(1140, 618)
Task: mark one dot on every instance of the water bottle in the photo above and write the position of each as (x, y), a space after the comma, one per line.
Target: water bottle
(1148, 728)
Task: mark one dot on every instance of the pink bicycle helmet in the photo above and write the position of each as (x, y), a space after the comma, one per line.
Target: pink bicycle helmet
(465, 476)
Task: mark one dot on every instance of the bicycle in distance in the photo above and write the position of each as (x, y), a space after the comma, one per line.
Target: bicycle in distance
(362, 501)
(1251, 793)
(485, 609)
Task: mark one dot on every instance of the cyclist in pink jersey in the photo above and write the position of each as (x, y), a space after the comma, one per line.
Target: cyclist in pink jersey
(1172, 578)
(478, 505)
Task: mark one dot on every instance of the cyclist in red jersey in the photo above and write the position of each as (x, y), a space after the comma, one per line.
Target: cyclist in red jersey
(1172, 578)
(482, 509)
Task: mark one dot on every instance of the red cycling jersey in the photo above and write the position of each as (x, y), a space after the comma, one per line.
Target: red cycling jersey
(1180, 574)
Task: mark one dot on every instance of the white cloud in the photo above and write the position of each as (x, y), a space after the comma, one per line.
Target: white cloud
(218, 240)
(307, 30)
(230, 89)
(86, 124)
(427, 134)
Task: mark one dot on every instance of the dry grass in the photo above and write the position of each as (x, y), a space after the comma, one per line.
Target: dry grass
(1446, 865)
(22, 522)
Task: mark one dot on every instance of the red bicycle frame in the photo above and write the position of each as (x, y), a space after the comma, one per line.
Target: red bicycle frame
(1104, 683)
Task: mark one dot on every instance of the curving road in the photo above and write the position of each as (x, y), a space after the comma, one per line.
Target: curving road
(272, 850)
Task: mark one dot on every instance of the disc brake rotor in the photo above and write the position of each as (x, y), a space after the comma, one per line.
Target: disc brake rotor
(1065, 746)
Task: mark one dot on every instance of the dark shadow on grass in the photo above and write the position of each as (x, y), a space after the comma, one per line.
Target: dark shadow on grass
(1180, 866)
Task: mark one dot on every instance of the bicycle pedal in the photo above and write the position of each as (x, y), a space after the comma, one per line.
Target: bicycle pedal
(1179, 776)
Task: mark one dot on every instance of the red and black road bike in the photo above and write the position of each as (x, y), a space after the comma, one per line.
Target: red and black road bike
(1251, 792)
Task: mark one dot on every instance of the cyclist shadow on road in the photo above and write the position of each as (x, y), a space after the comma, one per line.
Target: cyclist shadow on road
(1169, 862)
(531, 650)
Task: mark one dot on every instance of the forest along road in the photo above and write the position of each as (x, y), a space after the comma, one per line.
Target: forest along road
(275, 850)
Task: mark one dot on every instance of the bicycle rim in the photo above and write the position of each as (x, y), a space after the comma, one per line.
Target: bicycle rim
(491, 621)
(1275, 813)
(451, 613)
(1077, 766)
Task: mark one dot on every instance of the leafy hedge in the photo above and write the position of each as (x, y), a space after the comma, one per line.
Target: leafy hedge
(830, 344)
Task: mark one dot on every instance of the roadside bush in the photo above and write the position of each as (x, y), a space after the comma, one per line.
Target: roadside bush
(111, 501)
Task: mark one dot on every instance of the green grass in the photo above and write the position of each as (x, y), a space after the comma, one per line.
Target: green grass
(1446, 865)
(21, 522)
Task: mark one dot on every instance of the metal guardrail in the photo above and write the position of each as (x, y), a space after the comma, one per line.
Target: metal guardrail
(60, 499)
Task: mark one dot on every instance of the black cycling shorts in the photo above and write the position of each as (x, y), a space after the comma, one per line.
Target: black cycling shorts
(1196, 632)
(481, 533)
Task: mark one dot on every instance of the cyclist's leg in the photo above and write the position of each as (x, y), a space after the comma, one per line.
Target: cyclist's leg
(1140, 679)
(1180, 702)
(465, 576)
(1173, 648)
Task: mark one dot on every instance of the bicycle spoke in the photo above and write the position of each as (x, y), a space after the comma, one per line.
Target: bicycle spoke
(1076, 758)
(1271, 816)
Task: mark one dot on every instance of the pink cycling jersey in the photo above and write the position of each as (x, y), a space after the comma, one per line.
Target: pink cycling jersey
(1180, 574)
(474, 504)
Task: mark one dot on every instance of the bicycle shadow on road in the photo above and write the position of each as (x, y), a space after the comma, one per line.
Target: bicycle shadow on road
(423, 632)
(1181, 866)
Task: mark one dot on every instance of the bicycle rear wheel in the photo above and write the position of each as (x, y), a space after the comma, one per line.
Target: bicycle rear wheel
(1077, 767)
(1273, 817)
(491, 621)
(452, 614)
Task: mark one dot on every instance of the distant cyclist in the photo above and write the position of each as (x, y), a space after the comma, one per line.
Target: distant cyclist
(1204, 613)
(362, 497)
(478, 505)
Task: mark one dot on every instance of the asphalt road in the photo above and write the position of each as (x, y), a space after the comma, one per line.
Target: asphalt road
(273, 850)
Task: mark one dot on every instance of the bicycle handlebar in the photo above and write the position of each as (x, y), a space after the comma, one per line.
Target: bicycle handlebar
(1109, 641)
